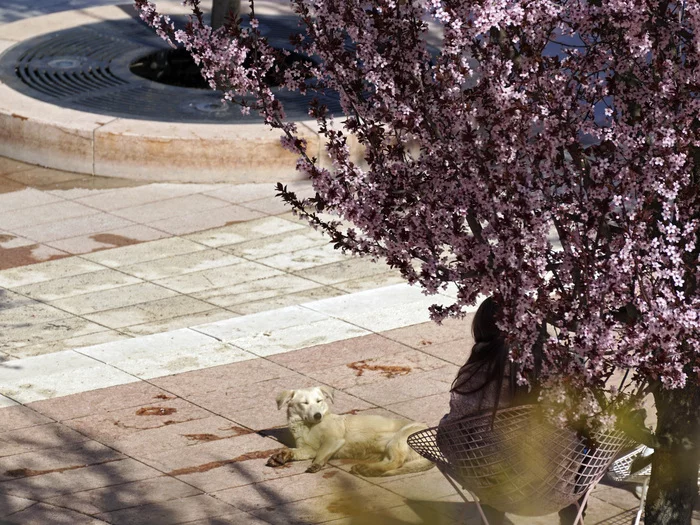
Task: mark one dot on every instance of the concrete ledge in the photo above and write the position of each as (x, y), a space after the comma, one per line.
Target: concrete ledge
(41, 133)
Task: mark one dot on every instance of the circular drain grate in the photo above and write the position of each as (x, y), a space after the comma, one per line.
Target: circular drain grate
(87, 68)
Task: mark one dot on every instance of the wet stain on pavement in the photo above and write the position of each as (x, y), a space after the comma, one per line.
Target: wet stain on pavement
(163, 396)
(260, 454)
(28, 473)
(329, 474)
(386, 370)
(238, 431)
(203, 437)
(23, 256)
(155, 411)
(114, 240)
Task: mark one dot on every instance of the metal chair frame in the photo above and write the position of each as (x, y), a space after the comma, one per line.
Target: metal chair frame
(517, 462)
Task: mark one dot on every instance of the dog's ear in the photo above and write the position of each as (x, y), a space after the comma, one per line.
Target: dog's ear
(327, 392)
(284, 397)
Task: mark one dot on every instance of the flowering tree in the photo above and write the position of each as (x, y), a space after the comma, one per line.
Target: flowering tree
(577, 117)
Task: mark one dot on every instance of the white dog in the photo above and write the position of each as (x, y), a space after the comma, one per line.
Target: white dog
(319, 435)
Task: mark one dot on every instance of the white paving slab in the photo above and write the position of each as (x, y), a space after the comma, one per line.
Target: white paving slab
(7, 402)
(212, 344)
(261, 323)
(46, 271)
(166, 353)
(55, 375)
(298, 337)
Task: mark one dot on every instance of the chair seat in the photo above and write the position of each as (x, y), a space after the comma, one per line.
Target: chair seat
(522, 464)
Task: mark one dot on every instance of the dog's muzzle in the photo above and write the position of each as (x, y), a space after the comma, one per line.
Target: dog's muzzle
(318, 416)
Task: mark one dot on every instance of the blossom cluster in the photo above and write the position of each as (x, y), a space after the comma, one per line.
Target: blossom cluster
(545, 152)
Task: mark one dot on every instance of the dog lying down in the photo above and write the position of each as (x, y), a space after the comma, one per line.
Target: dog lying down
(380, 442)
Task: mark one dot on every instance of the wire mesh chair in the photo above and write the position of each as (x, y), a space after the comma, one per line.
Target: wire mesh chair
(621, 471)
(520, 465)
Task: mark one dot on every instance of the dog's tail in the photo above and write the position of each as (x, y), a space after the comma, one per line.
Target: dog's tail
(411, 467)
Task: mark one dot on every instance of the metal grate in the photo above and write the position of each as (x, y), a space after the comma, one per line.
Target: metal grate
(87, 68)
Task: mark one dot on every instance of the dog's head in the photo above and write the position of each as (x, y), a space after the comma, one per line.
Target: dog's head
(308, 404)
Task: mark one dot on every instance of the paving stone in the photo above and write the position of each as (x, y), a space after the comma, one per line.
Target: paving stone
(126, 495)
(69, 343)
(38, 177)
(167, 208)
(428, 410)
(268, 206)
(295, 337)
(339, 353)
(181, 264)
(243, 192)
(95, 402)
(289, 489)
(30, 473)
(261, 323)
(147, 251)
(73, 227)
(304, 259)
(218, 277)
(370, 283)
(6, 401)
(110, 427)
(8, 166)
(332, 506)
(373, 369)
(286, 242)
(245, 231)
(137, 196)
(34, 310)
(103, 240)
(17, 416)
(253, 291)
(77, 285)
(58, 374)
(29, 254)
(171, 512)
(41, 514)
(122, 296)
(46, 271)
(343, 271)
(280, 301)
(37, 437)
(46, 213)
(424, 336)
(243, 473)
(204, 457)
(17, 200)
(175, 323)
(28, 336)
(178, 435)
(149, 312)
(405, 388)
(166, 353)
(12, 504)
(239, 375)
(403, 515)
(195, 222)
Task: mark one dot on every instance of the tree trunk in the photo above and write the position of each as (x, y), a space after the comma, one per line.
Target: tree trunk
(221, 10)
(673, 487)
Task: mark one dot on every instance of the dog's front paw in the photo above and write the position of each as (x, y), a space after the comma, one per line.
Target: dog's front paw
(314, 467)
(279, 459)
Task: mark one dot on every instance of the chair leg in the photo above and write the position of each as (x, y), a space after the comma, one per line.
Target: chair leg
(466, 500)
(642, 499)
(582, 505)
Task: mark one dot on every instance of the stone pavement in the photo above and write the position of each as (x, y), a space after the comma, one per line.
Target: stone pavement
(141, 364)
